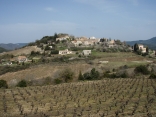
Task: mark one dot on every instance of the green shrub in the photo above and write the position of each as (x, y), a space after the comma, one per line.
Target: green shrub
(142, 69)
(79, 56)
(47, 48)
(54, 52)
(3, 84)
(33, 53)
(22, 83)
(114, 75)
(144, 54)
(106, 75)
(93, 75)
(152, 76)
(124, 75)
(87, 76)
(67, 75)
(80, 77)
(47, 81)
(57, 81)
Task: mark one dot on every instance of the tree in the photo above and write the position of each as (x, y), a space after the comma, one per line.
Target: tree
(147, 50)
(80, 76)
(3, 84)
(67, 75)
(94, 74)
(47, 48)
(55, 36)
(22, 83)
(87, 76)
(32, 52)
(142, 69)
(57, 81)
(54, 52)
(152, 76)
(136, 47)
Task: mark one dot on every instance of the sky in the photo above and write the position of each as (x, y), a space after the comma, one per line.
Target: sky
(24, 21)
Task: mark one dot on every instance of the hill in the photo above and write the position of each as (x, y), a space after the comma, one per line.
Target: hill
(11, 46)
(2, 50)
(151, 43)
(25, 51)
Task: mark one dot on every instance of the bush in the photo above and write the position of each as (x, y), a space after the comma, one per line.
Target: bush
(54, 52)
(152, 76)
(47, 48)
(108, 75)
(22, 83)
(87, 76)
(144, 54)
(142, 69)
(80, 76)
(67, 75)
(35, 53)
(124, 75)
(113, 75)
(47, 81)
(3, 84)
(57, 81)
(93, 75)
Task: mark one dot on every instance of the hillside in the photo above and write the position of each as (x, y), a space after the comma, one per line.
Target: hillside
(54, 69)
(151, 43)
(25, 50)
(11, 46)
(2, 50)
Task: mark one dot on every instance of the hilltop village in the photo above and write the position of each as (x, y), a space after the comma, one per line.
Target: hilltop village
(52, 47)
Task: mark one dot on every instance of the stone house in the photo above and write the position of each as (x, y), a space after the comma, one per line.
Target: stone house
(86, 52)
(62, 38)
(92, 38)
(141, 47)
(22, 59)
(50, 42)
(64, 52)
(111, 44)
(76, 43)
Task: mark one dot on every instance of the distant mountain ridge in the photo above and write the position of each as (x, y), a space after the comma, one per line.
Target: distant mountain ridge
(151, 43)
(2, 50)
(11, 46)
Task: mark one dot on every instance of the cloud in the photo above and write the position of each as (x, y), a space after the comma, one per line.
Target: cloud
(50, 9)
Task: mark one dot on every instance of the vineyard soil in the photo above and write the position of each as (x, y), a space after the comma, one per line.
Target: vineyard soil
(107, 97)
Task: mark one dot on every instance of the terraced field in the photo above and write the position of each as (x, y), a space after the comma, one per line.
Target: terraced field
(108, 97)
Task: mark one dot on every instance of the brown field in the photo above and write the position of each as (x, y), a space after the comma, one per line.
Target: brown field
(53, 69)
(108, 97)
(43, 71)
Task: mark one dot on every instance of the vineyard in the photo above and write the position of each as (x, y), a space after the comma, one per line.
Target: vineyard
(108, 97)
